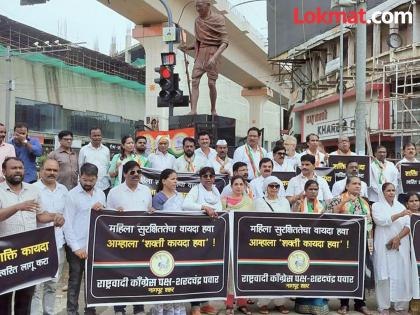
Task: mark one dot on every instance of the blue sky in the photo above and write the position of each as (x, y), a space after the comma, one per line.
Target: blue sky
(62, 17)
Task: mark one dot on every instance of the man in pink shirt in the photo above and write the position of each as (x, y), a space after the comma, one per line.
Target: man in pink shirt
(6, 149)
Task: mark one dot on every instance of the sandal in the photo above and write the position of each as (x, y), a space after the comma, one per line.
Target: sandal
(244, 310)
(282, 309)
(343, 310)
(264, 310)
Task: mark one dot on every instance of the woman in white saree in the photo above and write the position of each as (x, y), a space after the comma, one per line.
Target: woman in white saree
(394, 263)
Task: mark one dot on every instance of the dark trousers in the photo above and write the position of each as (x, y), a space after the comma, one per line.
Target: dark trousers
(136, 308)
(357, 303)
(23, 299)
(76, 269)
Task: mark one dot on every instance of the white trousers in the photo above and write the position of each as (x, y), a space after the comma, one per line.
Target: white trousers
(43, 300)
(383, 297)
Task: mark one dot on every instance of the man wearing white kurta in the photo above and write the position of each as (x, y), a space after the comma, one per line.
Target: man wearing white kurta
(312, 141)
(266, 168)
(161, 159)
(381, 171)
(352, 169)
(251, 153)
(189, 162)
(395, 272)
(222, 164)
(409, 152)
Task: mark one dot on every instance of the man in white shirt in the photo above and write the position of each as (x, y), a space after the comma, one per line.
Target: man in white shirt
(343, 147)
(161, 159)
(241, 169)
(292, 157)
(130, 196)
(20, 211)
(381, 171)
(266, 168)
(52, 200)
(409, 156)
(97, 154)
(189, 162)
(279, 161)
(312, 141)
(204, 152)
(251, 152)
(295, 189)
(81, 199)
(352, 169)
(222, 164)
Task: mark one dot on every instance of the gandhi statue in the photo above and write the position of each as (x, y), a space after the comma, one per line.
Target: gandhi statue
(211, 41)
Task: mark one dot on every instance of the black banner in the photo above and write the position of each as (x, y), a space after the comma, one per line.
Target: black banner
(415, 232)
(284, 177)
(298, 255)
(140, 258)
(27, 259)
(339, 163)
(186, 181)
(410, 177)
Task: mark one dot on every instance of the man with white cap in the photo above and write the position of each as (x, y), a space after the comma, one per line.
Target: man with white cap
(222, 164)
(161, 159)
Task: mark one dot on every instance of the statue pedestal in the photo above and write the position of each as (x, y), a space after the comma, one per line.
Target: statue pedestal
(219, 127)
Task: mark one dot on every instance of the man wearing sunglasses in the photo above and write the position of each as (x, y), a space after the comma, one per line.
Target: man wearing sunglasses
(265, 169)
(279, 161)
(130, 196)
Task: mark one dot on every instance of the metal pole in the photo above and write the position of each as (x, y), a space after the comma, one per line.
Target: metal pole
(170, 44)
(7, 120)
(361, 82)
(340, 115)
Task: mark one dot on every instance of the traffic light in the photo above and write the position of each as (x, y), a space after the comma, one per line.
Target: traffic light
(170, 94)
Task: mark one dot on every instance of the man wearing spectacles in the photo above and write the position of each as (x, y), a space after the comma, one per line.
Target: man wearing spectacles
(130, 196)
(279, 161)
(265, 169)
(67, 160)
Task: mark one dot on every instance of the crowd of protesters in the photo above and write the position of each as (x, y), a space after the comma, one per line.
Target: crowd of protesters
(70, 184)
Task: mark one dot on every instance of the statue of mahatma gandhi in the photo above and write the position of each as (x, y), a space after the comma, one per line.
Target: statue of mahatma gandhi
(210, 42)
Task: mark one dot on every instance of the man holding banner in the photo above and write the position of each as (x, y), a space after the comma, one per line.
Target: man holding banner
(20, 211)
(352, 169)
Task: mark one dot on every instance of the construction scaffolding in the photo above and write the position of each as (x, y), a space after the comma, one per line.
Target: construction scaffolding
(403, 79)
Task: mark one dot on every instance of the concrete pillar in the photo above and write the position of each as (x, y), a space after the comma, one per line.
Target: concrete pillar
(150, 37)
(416, 23)
(376, 40)
(257, 98)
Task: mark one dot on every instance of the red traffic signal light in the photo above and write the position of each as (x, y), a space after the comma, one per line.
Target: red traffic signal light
(165, 72)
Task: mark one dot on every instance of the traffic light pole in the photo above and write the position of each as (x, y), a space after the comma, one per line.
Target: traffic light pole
(170, 44)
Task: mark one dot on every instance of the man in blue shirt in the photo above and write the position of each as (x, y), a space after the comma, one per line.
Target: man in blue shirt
(27, 149)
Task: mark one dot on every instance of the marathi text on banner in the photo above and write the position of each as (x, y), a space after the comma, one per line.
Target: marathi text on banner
(139, 257)
(302, 255)
(27, 259)
(339, 163)
(410, 177)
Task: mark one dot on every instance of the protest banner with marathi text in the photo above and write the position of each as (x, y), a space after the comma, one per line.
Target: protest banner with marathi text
(410, 177)
(141, 258)
(27, 259)
(339, 163)
(298, 255)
